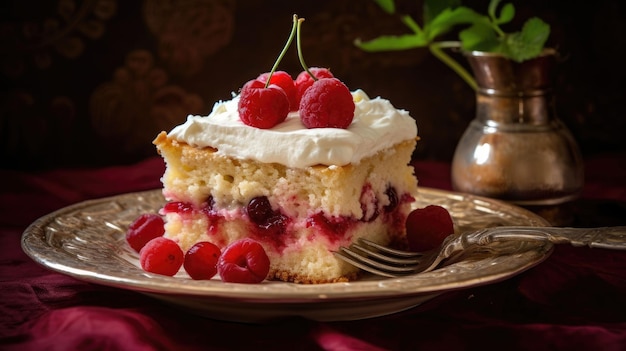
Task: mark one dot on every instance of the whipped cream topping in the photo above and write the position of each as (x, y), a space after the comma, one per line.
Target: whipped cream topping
(377, 125)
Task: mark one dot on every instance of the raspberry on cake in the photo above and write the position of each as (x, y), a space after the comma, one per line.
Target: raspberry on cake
(301, 193)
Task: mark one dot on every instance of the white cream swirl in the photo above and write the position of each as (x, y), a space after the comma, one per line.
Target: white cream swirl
(377, 125)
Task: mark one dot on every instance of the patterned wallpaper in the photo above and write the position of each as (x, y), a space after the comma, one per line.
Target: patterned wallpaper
(91, 82)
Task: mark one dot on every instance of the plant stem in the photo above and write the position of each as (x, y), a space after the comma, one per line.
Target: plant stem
(437, 50)
(282, 53)
(409, 22)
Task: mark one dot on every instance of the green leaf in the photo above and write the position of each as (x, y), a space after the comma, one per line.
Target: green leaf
(392, 42)
(450, 18)
(529, 42)
(387, 5)
(479, 37)
(506, 14)
(432, 8)
(491, 9)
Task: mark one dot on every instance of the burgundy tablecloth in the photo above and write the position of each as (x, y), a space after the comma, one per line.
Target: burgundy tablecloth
(575, 300)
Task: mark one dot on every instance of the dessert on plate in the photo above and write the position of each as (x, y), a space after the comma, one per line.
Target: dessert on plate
(301, 192)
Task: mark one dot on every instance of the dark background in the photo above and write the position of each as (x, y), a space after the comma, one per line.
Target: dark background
(90, 83)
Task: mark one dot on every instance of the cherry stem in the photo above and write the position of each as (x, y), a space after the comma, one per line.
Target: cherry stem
(282, 53)
(300, 56)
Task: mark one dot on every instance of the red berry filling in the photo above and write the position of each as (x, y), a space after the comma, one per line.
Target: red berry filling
(244, 261)
(270, 224)
(260, 211)
(334, 227)
(201, 260)
(427, 227)
(327, 104)
(145, 228)
(161, 256)
(262, 107)
(177, 207)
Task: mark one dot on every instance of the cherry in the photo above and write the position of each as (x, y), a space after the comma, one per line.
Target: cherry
(304, 80)
(244, 261)
(327, 103)
(262, 107)
(145, 228)
(161, 256)
(201, 260)
(427, 227)
(283, 80)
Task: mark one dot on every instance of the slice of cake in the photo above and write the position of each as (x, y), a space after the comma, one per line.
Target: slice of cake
(302, 193)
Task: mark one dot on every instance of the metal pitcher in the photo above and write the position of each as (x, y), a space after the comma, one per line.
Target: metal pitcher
(516, 149)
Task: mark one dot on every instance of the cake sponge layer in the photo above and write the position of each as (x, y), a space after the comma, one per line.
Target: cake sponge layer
(192, 175)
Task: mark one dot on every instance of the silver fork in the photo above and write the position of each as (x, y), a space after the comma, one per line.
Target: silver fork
(380, 260)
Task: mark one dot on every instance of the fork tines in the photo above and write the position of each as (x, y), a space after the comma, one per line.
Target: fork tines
(378, 259)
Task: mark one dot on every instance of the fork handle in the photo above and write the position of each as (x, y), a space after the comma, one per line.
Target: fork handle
(601, 237)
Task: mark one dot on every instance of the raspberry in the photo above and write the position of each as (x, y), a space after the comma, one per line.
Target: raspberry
(327, 103)
(283, 80)
(244, 261)
(427, 227)
(161, 256)
(201, 260)
(262, 107)
(145, 228)
(304, 80)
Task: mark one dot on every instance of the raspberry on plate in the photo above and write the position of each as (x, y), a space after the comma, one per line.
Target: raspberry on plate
(327, 103)
(161, 256)
(244, 261)
(201, 260)
(427, 227)
(145, 228)
(262, 107)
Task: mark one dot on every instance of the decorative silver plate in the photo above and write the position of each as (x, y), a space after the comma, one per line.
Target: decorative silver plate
(87, 241)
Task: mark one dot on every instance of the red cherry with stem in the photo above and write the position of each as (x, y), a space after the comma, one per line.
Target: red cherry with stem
(327, 103)
(283, 80)
(259, 104)
(201, 260)
(161, 256)
(262, 107)
(143, 229)
(244, 261)
(427, 227)
(304, 80)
